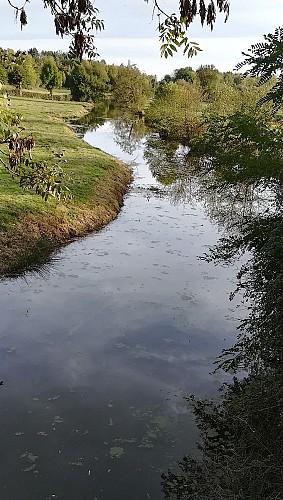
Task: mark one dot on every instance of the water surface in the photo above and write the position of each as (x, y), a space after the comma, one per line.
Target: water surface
(98, 350)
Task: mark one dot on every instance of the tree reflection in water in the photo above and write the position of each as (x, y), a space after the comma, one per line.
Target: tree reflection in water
(242, 434)
(129, 132)
(240, 185)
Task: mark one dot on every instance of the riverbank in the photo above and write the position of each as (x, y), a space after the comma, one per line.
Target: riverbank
(29, 226)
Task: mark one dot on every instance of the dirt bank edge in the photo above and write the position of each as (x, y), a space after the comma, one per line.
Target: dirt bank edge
(33, 236)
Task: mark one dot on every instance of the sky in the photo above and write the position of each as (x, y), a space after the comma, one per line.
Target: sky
(130, 33)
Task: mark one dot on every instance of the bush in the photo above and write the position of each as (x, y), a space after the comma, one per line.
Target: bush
(175, 111)
(40, 95)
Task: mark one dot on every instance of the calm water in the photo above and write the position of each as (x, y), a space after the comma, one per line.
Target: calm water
(99, 348)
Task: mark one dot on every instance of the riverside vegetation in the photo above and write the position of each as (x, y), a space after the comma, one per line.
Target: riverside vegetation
(240, 156)
(29, 224)
(238, 147)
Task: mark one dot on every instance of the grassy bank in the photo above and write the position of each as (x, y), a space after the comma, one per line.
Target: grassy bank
(28, 225)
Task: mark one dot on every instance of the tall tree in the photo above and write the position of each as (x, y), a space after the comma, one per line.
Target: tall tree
(50, 75)
(79, 83)
(132, 89)
(209, 77)
(29, 71)
(16, 78)
(186, 74)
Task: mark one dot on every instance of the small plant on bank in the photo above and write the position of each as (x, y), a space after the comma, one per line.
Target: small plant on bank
(16, 157)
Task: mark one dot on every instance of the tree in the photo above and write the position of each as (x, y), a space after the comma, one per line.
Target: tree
(132, 89)
(174, 110)
(3, 74)
(28, 71)
(20, 68)
(50, 75)
(98, 78)
(209, 77)
(16, 78)
(75, 19)
(172, 31)
(79, 83)
(265, 60)
(186, 74)
(88, 81)
(34, 53)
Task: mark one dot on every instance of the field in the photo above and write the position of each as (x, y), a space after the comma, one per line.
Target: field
(96, 180)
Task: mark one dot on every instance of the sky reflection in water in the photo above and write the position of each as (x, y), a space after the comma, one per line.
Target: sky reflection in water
(97, 354)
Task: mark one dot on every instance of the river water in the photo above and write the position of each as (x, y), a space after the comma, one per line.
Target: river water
(99, 347)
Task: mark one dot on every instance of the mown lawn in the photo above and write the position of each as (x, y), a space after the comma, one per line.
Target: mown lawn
(84, 165)
(96, 180)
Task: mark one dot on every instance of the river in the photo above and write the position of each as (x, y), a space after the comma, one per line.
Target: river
(100, 346)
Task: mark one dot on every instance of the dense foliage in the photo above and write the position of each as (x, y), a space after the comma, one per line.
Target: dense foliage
(50, 75)
(240, 159)
(89, 80)
(175, 111)
(265, 60)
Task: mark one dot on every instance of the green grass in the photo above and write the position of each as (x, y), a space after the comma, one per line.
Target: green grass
(85, 165)
(39, 92)
(29, 226)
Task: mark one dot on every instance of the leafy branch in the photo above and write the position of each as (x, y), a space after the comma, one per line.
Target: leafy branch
(265, 60)
(16, 157)
(71, 18)
(173, 30)
(172, 35)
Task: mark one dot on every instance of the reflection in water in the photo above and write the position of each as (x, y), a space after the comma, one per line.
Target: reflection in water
(129, 134)
(242, 434)
(97, 356)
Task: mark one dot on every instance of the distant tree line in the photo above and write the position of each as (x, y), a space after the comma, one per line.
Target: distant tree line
(91, 80)
(88, 80)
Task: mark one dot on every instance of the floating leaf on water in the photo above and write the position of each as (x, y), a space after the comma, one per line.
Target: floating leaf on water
(29, 456)
(151, 434)
(28, 469)
(57, 420)
(11, 349)
(161, 421)
(120, 345)
(125, 440)
(116, 452)
(146, 444)
(54, 398)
